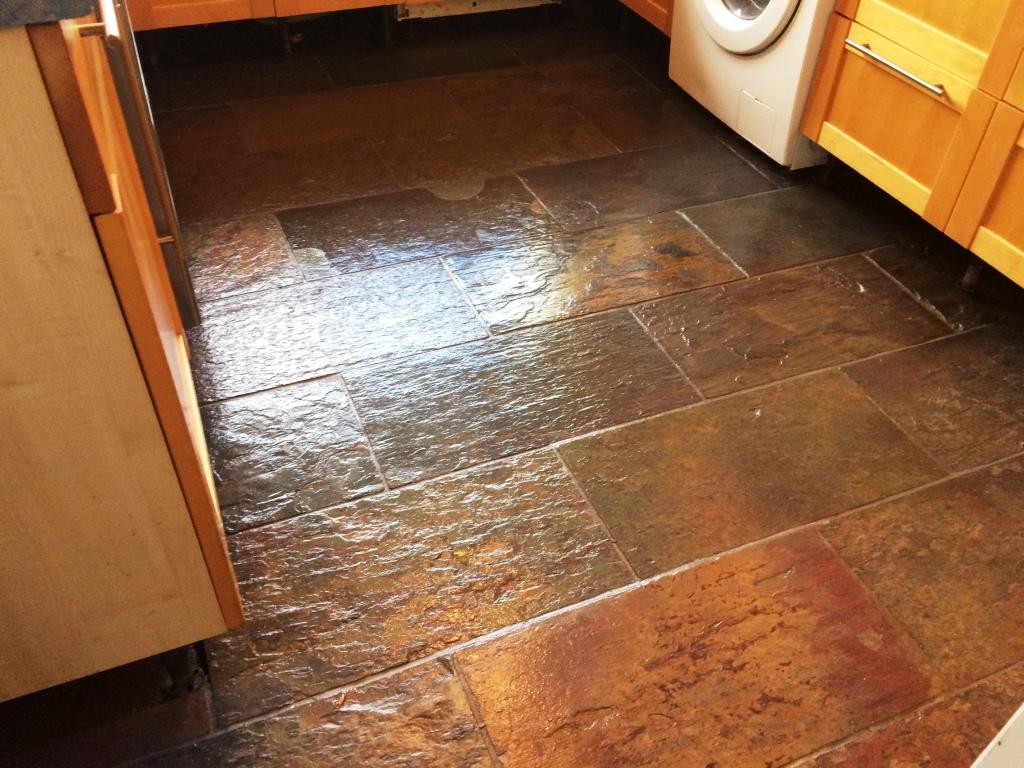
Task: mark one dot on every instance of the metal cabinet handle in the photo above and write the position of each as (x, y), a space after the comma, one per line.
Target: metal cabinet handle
(937, 90)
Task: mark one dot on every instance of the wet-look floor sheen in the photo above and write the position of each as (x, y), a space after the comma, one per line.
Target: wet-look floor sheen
(554, 428)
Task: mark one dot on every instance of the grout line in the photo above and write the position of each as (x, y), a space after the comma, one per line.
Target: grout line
(918, 298)
(764, 175)
(461, 289)
(579, 113)
(910, 438)
(661, 348)
(597, 515)
(804, 761)
(474, 706)
(369, 442)
(700, 230)
(519, 176)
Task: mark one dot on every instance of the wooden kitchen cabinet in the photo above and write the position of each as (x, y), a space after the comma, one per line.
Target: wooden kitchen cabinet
(656, 12)
(111, 546)
(916, 140)
(987, 218)
(975, 41)
(157, 14)
(1015, 90)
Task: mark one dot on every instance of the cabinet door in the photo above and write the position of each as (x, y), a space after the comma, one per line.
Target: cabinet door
(1015, 91)
(904, 123)
(972, 40)
(987, 218)
(156, 14)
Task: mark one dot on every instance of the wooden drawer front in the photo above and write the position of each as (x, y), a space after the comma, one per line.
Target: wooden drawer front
(958, 37)
(157, 14)
(1015, 92)
(914, 144)
(987, 218)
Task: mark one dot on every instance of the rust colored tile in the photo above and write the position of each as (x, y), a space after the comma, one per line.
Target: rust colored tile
(746, 662)
(331, 597)
(264, 182)
(336, 115)
(539, 88)
(415, 59)
(287, 451)
(240, 256)
(413, 224)
(946, 563)
(704, 480)
(414, 719)
(948, 734)
(767, 328)
(560, 276)
(492, 146)
(961, 399)
(932, 275)
(226, 81)
(642, 119)
(438, 412)
(609, 190)
(788, 227)
(257, 341)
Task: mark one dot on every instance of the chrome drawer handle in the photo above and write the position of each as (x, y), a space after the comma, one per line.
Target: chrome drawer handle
(937, 90)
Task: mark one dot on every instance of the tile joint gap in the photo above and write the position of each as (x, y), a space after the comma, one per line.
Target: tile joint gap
(474, 706)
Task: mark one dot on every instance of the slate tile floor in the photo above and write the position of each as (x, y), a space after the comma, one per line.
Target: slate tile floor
(555, 427)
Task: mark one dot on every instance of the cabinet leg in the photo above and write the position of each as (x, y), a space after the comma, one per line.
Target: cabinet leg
(185, 669)
(284, 31)
(972, 275)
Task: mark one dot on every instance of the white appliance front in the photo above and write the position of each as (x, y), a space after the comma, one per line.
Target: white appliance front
(750, 62)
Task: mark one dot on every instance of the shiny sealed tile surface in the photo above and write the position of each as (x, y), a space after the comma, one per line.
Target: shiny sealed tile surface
(287, 451)
(945, 561)
(698, 482)
(609, 190)
(334, 596)
(438, 412)
(961, 399)
(737, 336)
(413, 224)
(788, 227)
(564, 275)
(257, 341)
(416, 719)
(753, 660)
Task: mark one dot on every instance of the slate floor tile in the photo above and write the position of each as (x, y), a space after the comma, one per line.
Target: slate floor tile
(563, 275)
(333, 596)
(415, 59)
(191, 137)
(257, 341)
(438, 412)
(208, 84)
(412, 224)
(609, 190)
(749, 661)
(269, 181)
(961, 399)
(562, 42)
(767, 328)
(518, 90)
(415, 719)
(492, 146)
(238, 256)
(648, 118)
(694, 483)
(339, 114)
(946, 563)
(950, 733)
(933, 276)
(287, 451)
(788, 227)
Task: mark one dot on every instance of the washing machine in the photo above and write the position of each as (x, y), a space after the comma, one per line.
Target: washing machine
(750, 62)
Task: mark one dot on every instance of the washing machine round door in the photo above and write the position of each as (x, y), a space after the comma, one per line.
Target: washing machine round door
(745, 26)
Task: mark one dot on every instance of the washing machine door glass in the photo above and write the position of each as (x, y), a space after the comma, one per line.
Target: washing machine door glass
(745, 26)
(747, 10)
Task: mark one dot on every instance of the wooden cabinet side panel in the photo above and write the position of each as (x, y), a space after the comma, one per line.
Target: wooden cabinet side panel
(822, 86)
(98, 557)
(147, 300)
